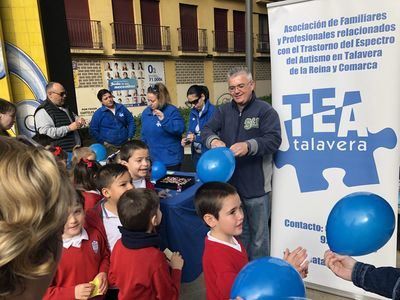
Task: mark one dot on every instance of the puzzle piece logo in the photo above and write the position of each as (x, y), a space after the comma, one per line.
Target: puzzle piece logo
(331, 136)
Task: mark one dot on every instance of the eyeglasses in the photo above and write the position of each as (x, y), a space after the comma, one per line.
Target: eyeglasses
(62, 94)
(240, 87)
(192, 103)
(153, 89)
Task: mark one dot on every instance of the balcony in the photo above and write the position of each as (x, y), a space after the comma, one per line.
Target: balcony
(262, 44)
(233, 42)
(192, 40)
(138, 37)
(84, 34)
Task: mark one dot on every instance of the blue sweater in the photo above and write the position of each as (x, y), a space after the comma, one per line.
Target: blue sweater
(113, 129)
(194, 119)
(164, 137)
(258, 125)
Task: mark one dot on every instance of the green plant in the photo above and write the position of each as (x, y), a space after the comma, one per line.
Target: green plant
(267, 99)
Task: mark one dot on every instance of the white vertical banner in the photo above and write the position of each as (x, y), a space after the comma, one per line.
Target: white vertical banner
(336, 86)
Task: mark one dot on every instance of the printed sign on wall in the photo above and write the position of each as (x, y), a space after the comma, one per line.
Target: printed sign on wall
(129, 80)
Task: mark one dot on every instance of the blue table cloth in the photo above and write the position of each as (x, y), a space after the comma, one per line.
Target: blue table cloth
(182, 230)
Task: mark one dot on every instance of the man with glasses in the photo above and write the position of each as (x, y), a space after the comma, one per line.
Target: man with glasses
(250, 127)
(54, 119)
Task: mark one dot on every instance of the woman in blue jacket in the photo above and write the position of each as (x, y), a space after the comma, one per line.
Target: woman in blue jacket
(112, 124)
(201, 111)
(162, 128)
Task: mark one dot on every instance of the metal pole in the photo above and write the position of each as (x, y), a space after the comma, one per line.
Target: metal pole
(249, 35)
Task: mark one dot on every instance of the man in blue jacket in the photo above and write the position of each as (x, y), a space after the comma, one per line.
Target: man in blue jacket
(251, 128)
(112, 124)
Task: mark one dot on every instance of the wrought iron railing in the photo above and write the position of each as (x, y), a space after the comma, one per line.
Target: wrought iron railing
(85, 34)
(131, 36)
(194, 40)
(229, 41)
(263, 45)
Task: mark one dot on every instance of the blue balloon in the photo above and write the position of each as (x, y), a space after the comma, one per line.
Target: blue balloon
(359, 224)
(268, 278)
(217, 164)
(158, 170)
(100, 150)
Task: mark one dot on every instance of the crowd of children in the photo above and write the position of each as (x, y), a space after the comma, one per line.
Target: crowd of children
(110, 246)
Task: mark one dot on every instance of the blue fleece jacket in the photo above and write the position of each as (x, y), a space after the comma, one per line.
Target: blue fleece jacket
(195, 119)
(113, 129)
(164, 137)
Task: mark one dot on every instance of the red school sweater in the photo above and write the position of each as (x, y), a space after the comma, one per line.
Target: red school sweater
(91, 199)
(79, 265)
(221, 264)
(143, 274)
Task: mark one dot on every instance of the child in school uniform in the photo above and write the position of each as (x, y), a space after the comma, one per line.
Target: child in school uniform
(8, 111)
(138, 268)
(84, 178)
(112, 180)
(136, 157)
(85, 257)
(79, 152)
(219, 205)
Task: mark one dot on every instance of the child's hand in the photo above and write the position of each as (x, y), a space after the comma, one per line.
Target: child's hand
(297, 258)
(83, 291)
(103, 282)
(176, 261)
(341, 265)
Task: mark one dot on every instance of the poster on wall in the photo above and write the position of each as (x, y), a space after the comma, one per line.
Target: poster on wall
(129, 80)
(336, 89)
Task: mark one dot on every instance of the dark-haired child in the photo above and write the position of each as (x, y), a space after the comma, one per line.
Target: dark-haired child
(84, 179)
(112, 180)
(138, 268)
(85, 257)
(8, 111)
(219, 205)
(136, 157)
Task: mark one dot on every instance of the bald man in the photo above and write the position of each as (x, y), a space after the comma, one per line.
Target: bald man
(54, 119)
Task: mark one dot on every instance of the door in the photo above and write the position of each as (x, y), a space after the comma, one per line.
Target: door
(151, 31)
(263, 39)
(189, 33)
(124, 24)
(221, 30)
(78, 22)
(239, 31)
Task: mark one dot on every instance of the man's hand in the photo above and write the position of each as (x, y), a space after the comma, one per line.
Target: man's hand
(341, 265)
(74, 126)
(81, 121)
(83, 291)
(240, 149)
(215, 143)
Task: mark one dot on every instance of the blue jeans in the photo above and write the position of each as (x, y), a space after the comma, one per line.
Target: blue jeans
(255, 235)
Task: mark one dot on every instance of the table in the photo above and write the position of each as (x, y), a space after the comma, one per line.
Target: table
(182, 230)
